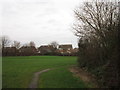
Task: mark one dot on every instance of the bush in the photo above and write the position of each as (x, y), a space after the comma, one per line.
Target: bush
(98, 44)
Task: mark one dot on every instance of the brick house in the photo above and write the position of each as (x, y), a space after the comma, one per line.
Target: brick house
(65, 49)
(46, 49)
(27, 50)
(9, 51)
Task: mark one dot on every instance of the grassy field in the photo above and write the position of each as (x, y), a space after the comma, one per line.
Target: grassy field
(18, 71)
(60, 78)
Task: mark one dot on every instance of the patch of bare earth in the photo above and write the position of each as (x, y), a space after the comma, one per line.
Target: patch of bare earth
(85, 76)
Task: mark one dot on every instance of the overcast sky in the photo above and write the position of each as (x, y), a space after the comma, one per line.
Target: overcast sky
(41, 21)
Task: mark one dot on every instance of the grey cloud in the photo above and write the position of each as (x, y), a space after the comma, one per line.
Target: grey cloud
(41, 21)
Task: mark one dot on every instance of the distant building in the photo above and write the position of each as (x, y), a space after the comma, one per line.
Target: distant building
(9, 51)
(27, 50)
(65, 49)
(75, 50)
(45, 49)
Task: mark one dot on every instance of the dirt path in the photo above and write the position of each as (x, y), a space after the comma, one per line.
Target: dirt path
(36, 77)
(34, 81)
(82, 74)
(88, 78)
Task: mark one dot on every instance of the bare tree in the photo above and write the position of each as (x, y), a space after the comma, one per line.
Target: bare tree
(97, 28)
(97, 18)
(54, 44)
(5, 41)
(28, 49)
(16, 44)
(98, 21)
(32, 44)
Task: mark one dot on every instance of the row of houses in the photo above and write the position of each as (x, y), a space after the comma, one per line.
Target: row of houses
(66, 49)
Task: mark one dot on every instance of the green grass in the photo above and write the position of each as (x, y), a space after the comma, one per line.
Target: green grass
(18, 71)
(60, 78)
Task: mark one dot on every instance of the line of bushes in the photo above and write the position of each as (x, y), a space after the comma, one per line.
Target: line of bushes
(99, 41)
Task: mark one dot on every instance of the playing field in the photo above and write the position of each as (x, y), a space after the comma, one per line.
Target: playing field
(18, 72)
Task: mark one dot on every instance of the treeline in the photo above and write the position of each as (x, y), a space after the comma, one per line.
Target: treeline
(97, 27)
(14, 48)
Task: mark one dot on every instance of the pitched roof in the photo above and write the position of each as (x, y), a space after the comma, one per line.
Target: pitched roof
(66, 46)
(45, 47)
(23, 47)
(10, 48)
